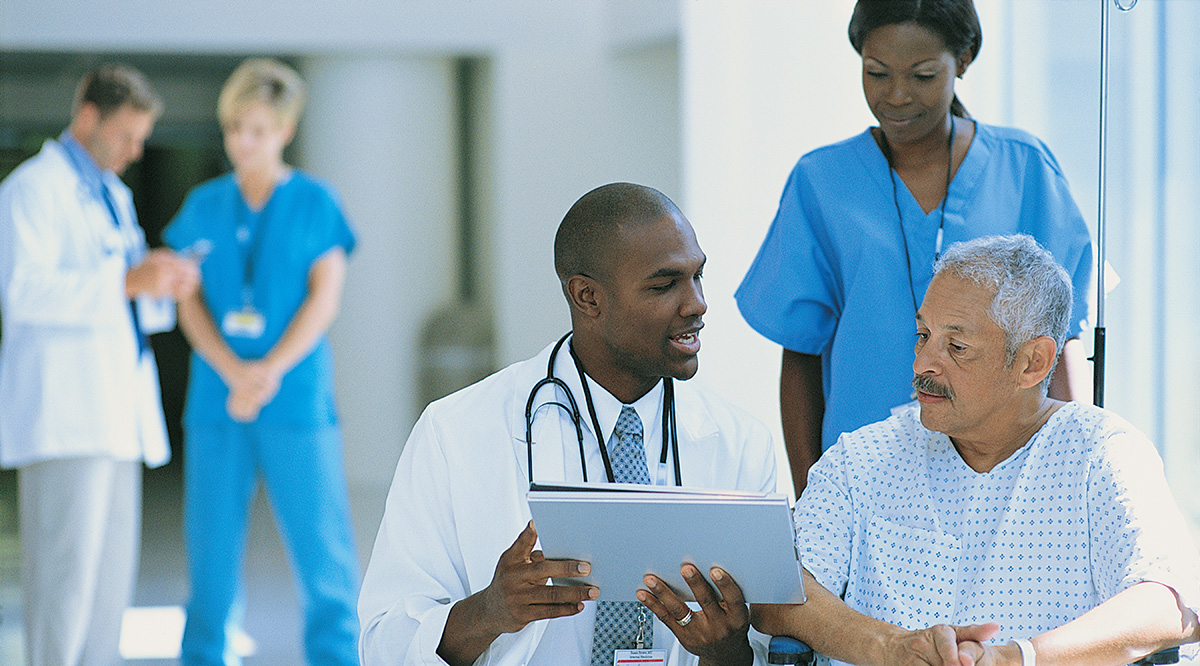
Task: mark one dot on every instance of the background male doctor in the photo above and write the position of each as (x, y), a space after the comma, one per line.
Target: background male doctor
(79, 400)
(446, 582)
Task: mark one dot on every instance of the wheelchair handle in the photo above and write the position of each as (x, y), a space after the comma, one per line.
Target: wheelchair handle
(788, 650)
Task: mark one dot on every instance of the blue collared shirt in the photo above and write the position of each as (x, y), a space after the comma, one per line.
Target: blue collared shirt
(92, 178)
(89, 172)
(91, 175)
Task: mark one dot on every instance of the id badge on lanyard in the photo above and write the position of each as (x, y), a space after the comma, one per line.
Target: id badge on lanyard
(247, 322)
(640, 655)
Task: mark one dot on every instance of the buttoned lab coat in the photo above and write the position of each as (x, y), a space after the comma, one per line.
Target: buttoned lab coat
(458, 500)
(72, 382)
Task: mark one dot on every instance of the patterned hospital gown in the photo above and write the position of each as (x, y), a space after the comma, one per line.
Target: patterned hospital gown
(898, 525)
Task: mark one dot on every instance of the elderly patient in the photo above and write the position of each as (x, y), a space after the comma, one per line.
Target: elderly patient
(990, 524)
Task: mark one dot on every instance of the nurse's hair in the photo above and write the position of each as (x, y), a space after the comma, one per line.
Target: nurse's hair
(1032, 291)
(113, 85)
(954, 21)
(263, 80)
(585, 237)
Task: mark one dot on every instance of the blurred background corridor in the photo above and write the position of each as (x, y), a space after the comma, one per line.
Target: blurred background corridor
(458, 132)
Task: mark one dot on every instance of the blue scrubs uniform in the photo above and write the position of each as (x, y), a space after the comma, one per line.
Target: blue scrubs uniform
(830, 278)
(295, 444)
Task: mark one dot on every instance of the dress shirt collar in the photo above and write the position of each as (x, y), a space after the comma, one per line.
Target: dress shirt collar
(608, 407)
(89, 172)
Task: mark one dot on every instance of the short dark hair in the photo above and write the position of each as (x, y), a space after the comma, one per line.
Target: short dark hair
(113, 85)
(584, 238)
(954, 21)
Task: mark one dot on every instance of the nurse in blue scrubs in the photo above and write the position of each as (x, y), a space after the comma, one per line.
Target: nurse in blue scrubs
(847, 259)
(273, 244)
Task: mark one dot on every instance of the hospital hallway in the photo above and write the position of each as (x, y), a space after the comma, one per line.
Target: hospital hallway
(154, 624)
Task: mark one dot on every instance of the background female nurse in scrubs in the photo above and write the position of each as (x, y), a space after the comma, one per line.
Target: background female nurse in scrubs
(273, 243)
(848, 257)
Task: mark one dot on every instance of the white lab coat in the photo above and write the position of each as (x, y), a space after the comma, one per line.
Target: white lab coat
(457, 501)
(71, 381)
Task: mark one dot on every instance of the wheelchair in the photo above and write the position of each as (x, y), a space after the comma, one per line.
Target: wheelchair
(787, 650)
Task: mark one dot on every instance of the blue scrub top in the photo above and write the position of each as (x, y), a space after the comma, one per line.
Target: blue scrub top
(299, 223)
(830, 280)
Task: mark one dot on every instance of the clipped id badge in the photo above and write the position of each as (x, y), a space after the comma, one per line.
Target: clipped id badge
(639, 657)
(244, 323)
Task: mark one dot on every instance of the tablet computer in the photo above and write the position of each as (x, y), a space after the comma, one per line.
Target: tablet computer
(626, 531)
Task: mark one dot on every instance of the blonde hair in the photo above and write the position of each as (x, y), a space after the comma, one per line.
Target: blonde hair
(263, 80)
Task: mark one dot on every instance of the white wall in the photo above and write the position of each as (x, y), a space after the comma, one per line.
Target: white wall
(281, 26)
(569, 120)
(763, 83)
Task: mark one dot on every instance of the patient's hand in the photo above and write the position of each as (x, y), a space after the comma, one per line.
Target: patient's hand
(973, 653)
(941, 645)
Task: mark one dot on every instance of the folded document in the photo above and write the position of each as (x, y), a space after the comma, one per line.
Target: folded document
(627, 531)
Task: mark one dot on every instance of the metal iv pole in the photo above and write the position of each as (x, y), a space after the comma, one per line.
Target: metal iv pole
(1101, 218)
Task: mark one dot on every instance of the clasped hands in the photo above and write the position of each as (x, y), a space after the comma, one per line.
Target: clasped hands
(950, 645)
(519, 594)
(939, 645)
(252, 384)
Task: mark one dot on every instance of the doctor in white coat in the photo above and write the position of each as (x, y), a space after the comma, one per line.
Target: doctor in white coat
(79, 400)
(455, 576)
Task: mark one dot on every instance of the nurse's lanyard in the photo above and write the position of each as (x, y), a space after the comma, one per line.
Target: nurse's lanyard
(937, 248)
(247, 322)
(249, 237)
(670, 437)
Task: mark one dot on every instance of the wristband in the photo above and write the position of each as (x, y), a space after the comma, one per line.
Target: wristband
(1028, 655)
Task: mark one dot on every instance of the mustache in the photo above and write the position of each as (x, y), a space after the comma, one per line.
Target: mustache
(926, 384)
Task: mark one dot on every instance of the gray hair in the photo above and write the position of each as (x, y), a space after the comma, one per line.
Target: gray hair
(1032, 291)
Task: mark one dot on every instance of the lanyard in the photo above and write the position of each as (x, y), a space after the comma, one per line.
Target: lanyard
(249, 237)
(886, 148)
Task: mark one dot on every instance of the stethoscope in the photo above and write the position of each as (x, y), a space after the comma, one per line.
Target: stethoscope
(670, 437)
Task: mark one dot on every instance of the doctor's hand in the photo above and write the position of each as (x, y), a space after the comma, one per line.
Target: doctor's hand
(717, 633)
(162, 273)
(518, 594)
(187, 278)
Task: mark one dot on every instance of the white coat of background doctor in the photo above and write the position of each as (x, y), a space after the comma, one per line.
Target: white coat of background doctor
(79, 396)
(446, 582)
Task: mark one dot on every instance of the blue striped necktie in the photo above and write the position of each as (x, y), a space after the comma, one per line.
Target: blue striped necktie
(617, 621)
